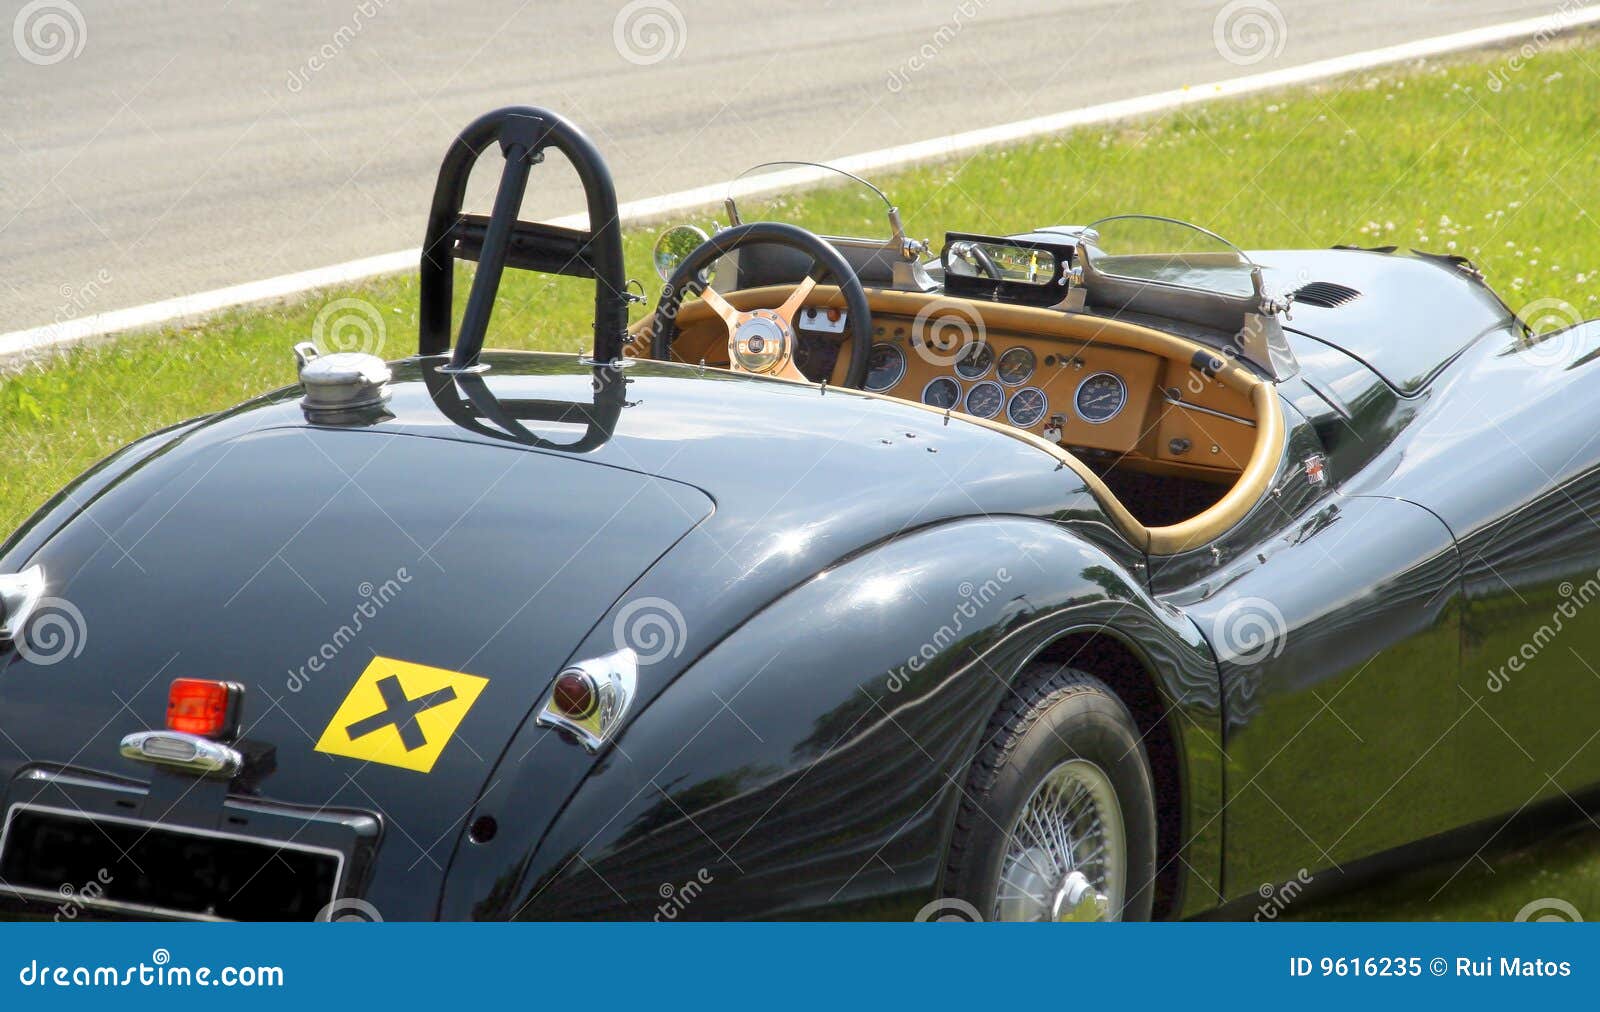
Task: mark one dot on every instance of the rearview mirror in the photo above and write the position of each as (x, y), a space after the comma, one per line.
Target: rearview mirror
(673, 248)
(999, 261)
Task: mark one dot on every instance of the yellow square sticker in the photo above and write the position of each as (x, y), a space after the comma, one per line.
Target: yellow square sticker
(400, 714)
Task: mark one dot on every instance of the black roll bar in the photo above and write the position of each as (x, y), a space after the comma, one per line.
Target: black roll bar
(501, 240)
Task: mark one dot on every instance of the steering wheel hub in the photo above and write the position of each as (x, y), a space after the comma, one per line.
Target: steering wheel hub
(763, 342)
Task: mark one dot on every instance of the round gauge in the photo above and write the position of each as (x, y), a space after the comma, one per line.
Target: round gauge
(886, 366)
(1027, 407)
(1016, 365)
(942, 392)
(1100, 397)
(985, 399)
(974, 360)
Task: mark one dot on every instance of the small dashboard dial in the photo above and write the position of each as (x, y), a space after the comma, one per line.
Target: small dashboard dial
(985, 399)
(1100, 397)
(975, 360)
(1016, 365)
(886, 366)
(942, 392)
(1027, 407)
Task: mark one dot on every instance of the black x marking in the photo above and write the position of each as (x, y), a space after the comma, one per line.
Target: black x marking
(400, 712)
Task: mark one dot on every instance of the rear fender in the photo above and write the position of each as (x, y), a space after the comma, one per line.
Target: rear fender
(810, 763)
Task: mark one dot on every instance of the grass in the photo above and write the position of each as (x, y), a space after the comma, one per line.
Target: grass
(1429, 155)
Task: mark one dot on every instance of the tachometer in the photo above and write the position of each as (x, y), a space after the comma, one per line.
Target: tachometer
(1016, 365)
(974, 360)
(1027, 407)
(985, 399)
(886, 366)
(942, 392)
(1100, 397)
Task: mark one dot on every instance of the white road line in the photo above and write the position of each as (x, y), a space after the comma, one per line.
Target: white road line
(189, 307)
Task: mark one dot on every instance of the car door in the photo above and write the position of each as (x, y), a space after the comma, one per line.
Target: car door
(1507, 453)
(1336, 626)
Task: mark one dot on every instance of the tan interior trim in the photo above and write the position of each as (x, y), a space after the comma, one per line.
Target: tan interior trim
(1253, 482)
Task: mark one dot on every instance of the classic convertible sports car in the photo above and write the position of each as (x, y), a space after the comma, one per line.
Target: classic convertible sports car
(1096, 572)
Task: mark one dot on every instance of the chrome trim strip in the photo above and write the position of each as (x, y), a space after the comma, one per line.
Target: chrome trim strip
(1185, 405)
(185, 751)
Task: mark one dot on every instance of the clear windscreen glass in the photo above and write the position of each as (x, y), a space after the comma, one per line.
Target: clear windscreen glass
(1163, 250)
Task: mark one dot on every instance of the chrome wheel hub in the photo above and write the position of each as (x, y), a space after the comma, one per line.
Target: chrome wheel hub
(1066, 853)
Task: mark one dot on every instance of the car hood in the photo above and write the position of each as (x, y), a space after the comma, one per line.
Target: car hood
(481, 532)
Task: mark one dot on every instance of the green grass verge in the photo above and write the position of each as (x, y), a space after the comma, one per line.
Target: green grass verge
(1429, 156)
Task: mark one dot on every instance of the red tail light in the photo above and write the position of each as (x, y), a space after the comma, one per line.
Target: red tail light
(204, 707)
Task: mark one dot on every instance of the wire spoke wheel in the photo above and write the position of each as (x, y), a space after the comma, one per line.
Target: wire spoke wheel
(1066, 852)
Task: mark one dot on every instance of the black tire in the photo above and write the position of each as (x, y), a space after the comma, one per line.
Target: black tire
(1057, 713)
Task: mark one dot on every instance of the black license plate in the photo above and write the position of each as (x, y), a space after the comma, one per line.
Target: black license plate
(149, 869)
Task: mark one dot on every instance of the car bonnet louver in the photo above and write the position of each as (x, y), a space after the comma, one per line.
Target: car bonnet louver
(1327, 294)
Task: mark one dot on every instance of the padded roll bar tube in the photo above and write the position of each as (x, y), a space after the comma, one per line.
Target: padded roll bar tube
(523, 133)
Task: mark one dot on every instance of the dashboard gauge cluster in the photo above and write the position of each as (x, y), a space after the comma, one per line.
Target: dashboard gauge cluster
(1003, 383)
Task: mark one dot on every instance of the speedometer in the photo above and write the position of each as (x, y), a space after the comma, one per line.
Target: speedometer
(974, 360)
(1027, 407)
(985, 399)
(1016, 365)
(886, 366)
(1100, 397)
(942, 392)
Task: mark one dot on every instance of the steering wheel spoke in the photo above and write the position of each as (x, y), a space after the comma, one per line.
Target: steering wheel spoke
(797, 298)
(719, 305)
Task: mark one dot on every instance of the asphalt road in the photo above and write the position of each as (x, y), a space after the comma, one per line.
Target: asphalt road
(155, 149)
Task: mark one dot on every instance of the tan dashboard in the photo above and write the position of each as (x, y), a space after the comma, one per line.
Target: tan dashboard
(1129, 407)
